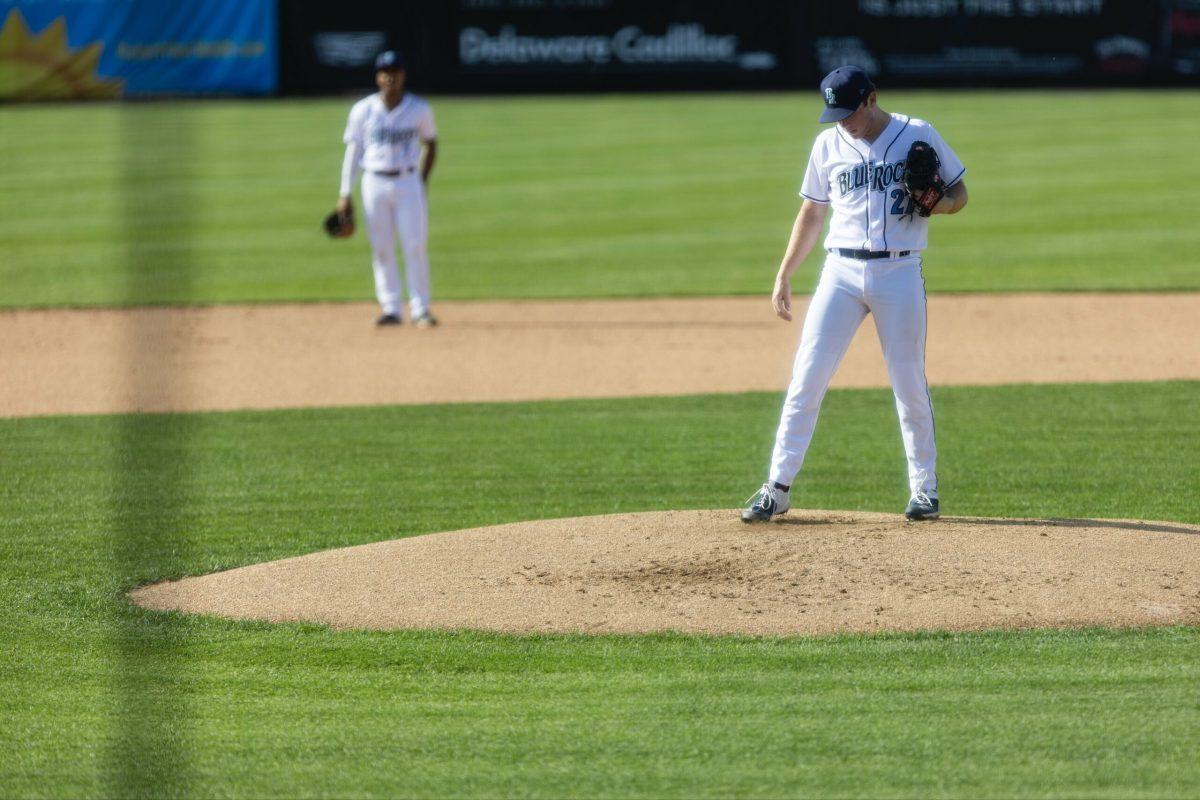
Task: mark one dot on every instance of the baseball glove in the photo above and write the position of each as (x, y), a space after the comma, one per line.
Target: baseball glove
(339, 226)
(921, 178)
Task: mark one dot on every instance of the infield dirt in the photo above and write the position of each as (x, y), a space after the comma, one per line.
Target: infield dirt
(285, 356)
(812, 572)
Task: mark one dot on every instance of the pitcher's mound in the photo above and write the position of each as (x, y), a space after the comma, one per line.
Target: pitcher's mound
(813, 572)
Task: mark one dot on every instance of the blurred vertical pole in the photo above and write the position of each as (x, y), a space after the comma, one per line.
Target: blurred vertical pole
(149, 756)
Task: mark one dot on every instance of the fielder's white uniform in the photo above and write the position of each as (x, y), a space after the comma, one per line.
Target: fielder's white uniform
(862, 184)
(387, 146)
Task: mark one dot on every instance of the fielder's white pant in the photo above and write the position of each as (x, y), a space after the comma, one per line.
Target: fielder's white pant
(397, 206)
(849, 289)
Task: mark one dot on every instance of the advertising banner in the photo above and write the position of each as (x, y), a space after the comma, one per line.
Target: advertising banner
(538, 45)
(580, 45)
(331, 47)
(1034, 42)
(74, 49)
(1183, 39)
(624, 43)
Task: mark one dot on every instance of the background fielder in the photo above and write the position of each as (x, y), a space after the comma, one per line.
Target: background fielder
(874, 266)
(392, 137)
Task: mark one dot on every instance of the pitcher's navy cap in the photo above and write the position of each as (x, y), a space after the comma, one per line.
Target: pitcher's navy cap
(389, 59)
(844, 89)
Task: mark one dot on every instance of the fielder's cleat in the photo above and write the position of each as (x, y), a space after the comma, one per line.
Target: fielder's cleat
(766, 503)
(425, 320)
(388, 319)
(922, 506)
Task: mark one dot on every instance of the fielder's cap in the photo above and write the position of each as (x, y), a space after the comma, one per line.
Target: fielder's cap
(844, 89)
(389, 59)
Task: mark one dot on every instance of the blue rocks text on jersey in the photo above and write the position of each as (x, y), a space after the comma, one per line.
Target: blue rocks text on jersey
(879, 176)
(382, 135)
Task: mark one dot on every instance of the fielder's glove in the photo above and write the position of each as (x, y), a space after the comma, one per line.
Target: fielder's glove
(925, 187)
(339, 226)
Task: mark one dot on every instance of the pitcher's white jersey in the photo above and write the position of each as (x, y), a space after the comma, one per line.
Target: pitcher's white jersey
(863, 184)
(391, 140)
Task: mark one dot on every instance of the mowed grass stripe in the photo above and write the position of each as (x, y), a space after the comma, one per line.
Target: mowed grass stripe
(576, 196)
(252, 709)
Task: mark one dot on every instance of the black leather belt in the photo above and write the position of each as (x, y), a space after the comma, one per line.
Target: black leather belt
(869, 255)
(394, 173)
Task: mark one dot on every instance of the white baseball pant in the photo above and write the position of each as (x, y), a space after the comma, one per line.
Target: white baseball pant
(396, 205)
(893, 290)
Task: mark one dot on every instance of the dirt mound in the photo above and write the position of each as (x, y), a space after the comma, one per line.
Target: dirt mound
(814, 572)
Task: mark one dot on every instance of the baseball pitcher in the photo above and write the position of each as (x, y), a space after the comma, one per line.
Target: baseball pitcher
(883, 175)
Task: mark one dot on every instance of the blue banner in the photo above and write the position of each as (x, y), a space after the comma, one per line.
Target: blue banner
(63, 49)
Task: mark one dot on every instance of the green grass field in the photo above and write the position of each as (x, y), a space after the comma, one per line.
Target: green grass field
(104, 699)
(573, 197)
(570, 197)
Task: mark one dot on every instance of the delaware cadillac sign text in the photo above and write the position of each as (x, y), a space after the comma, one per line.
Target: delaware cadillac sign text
(680, 44)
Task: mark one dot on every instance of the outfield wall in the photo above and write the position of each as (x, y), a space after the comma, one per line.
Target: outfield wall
(582, 45)
(78, 49)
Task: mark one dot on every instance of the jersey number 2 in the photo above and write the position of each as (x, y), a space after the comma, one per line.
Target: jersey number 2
(902, 204)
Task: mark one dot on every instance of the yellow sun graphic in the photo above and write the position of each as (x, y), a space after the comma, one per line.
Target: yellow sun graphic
(43, 67)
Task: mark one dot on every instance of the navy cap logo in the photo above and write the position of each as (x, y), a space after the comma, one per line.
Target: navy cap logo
(389, 59)
(844, 91)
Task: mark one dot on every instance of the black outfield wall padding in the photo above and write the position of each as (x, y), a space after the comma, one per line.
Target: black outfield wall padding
(581, 45)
